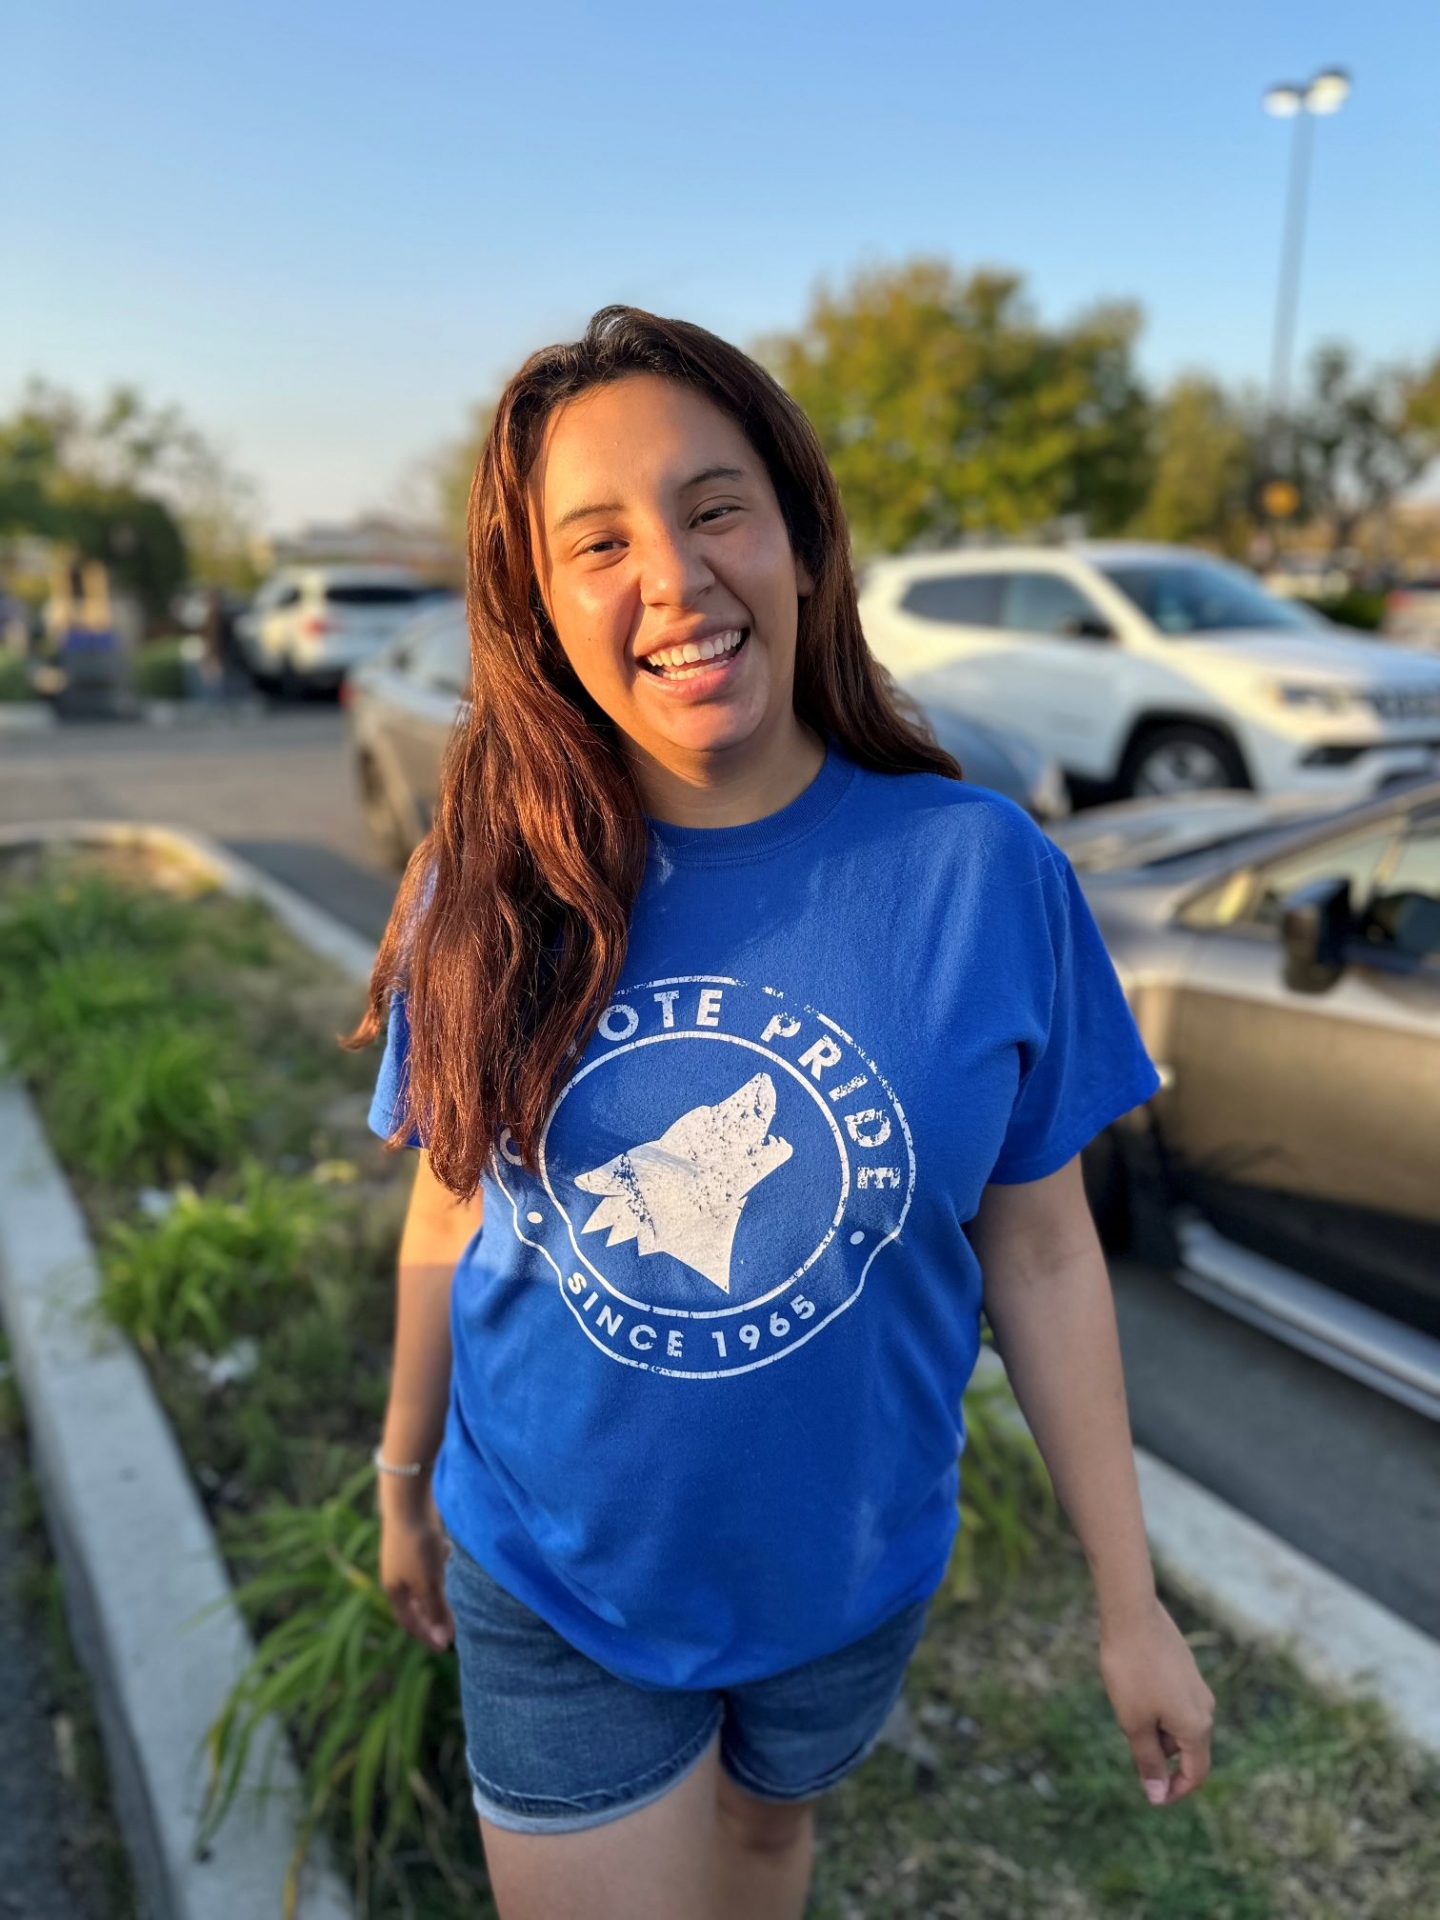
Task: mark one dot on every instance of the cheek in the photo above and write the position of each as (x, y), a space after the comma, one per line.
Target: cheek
(769, 581)
(592, 620)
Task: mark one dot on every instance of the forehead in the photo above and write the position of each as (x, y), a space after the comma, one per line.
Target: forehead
(632, 434)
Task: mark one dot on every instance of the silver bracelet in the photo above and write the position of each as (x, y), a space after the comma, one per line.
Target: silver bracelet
(407, 1472)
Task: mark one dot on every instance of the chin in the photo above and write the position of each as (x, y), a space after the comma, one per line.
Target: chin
(712, 732)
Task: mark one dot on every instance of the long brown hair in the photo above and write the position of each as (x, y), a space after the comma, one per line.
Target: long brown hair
(509, 930)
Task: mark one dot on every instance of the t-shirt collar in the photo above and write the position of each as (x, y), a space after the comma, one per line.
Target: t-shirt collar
(716, 846)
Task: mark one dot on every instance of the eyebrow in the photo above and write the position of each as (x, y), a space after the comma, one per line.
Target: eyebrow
(590, 508)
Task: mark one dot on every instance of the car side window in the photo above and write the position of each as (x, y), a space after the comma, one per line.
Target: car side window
(1355, 858)
(1253, 897)
(1404, 914)
(956, 599)
(1046, 603)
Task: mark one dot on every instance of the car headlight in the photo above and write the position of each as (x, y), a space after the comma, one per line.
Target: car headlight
(1326, 697)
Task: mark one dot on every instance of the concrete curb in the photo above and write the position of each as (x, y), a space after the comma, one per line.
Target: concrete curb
(319, 930)
(146, 1592)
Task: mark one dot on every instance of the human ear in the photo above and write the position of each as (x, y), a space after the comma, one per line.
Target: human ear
(804, 584)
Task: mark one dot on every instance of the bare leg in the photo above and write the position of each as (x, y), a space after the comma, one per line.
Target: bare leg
(654, 1864)
(764, 1855)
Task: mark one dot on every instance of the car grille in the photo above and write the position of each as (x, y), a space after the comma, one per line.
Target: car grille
(1405, 703)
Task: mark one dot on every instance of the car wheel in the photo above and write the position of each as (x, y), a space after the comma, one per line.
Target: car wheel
(388, 834)
(1182, 758)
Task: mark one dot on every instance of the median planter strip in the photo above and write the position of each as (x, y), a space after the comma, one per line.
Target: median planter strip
(260, 1295)
(146, 1591)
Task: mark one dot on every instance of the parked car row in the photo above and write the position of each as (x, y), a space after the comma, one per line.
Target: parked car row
(1151, 670)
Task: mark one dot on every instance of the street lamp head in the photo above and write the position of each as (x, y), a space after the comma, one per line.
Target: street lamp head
(1327, 92)
(1284, 102)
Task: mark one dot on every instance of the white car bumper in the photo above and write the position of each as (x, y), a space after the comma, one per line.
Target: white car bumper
(1350, 762)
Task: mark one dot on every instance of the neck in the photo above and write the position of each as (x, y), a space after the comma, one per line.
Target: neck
(733, 786)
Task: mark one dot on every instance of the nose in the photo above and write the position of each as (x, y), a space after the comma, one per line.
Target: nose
(673, 569)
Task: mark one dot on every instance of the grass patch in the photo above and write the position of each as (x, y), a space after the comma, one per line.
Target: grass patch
(14, 677)
(258, 1281)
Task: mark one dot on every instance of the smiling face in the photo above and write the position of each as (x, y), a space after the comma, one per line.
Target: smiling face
(665, 566)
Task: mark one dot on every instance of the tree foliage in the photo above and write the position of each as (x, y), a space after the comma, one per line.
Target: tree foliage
(124, 482)
(946, 407)
(1204, 450)
(1362, 437)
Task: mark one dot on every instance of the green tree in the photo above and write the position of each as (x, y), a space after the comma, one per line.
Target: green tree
(1361, 438)
(1204, 450)
(127, 483)
(946, 407)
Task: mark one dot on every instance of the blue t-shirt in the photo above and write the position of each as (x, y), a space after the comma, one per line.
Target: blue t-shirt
(705, 1405)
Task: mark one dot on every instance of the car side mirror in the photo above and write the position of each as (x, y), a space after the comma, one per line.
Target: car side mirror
(1315, 922)
(1086, 627)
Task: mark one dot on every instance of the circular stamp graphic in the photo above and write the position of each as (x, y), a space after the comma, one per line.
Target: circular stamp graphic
(717, 1177)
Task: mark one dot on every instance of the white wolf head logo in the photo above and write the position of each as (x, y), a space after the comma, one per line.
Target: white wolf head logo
(683, 1193)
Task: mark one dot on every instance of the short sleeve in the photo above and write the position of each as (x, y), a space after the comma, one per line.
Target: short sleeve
(387, 1103)
(1089, 1064)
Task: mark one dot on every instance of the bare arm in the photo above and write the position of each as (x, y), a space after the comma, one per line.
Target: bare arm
(412, 1542)
(1048, 1300)
(437, 1227)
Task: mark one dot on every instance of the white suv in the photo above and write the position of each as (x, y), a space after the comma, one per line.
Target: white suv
(1152, 669)
(307, 626)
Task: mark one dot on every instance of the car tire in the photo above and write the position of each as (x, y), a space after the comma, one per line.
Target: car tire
(387, 831)
(1182, 757)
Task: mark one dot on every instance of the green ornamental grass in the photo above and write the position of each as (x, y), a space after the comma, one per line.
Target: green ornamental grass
(219, 1264)
(375, 1714)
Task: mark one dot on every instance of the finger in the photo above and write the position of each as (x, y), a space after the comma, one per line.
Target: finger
(439, 1627)
(405, 1607)
(1194, 1766)
(1151, 1765)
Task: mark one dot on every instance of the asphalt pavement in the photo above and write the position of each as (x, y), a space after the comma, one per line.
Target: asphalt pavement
(1339, 1472)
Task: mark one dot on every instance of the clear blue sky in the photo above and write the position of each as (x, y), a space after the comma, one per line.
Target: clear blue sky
(324, 230)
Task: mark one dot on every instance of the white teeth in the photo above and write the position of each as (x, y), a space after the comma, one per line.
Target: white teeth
(673, 660)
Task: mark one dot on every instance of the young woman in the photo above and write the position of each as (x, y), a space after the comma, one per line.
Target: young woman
(764, 1048)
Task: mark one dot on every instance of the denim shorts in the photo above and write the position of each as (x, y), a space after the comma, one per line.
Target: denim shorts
(555, 1742)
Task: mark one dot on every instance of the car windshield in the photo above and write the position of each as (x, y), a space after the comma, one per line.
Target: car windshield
(1186, 599)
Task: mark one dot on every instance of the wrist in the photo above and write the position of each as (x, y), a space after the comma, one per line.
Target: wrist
(403, 1499)
(1122, 1610)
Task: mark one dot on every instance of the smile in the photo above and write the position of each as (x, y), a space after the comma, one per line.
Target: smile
(696, 656)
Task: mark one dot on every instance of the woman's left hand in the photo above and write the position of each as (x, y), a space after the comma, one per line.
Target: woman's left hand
(1160, 1699)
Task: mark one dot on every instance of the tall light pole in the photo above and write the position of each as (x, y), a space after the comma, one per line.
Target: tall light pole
(1326, 93)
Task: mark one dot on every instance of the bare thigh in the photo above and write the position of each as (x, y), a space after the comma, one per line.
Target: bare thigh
(654, 1864)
